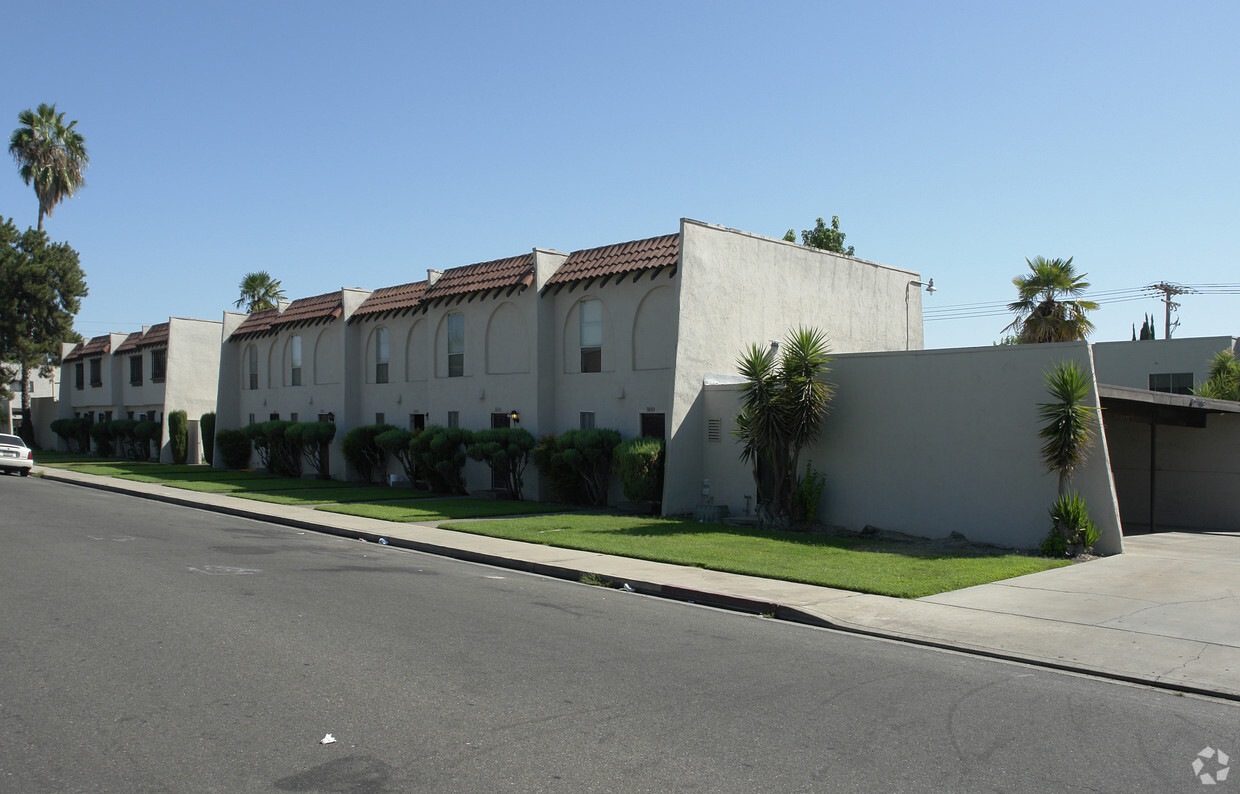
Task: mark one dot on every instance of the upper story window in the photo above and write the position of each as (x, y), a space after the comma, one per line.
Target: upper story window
(294, 372)
(456, 345)
(381, 355)
(251, 366)
(135, 370)
(1172, 382)
(591, 313)
(79, 375)
(159, 361)
(96, 372)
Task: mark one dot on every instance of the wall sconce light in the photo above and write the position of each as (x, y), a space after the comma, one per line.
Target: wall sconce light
(482, 394)
(620, 396)
(514, 417)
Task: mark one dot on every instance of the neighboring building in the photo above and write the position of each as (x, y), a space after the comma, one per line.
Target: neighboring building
(1176, 366)
(618, 337)
(143, 375)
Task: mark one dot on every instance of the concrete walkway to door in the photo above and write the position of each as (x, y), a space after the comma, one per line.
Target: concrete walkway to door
(1167, 610)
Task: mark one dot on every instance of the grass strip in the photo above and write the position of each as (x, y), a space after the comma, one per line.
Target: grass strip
(864, 566)
(311, 496)
(427, 510)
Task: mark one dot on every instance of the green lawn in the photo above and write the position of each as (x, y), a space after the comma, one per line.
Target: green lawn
(846, 563)
(345, 493)
(429, 510)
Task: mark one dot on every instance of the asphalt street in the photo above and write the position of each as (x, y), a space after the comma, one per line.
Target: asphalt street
(147, 647)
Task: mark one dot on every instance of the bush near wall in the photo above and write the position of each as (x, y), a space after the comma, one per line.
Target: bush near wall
(178, 435)
(396, 442)
(283, 451)
(639, 465)
(75, 433)
(578, 464)
(258, 439)
(362, 452)
(440, 455)
(122, 436)
(146, 432)
(206, 431)
(235, 448)
(506, 452)
(102, 435)
(313, 438)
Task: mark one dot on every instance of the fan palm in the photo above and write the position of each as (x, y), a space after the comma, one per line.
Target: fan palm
(51, 155)
(1049, 308)
(259, 291)
(1224, 381)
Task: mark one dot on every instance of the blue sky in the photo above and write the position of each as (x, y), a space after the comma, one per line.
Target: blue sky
(358, 144)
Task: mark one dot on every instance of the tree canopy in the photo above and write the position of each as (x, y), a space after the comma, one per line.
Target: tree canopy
(41, 289)
(1049, 307)
(259, 291)
(822, 236)
(51, 155)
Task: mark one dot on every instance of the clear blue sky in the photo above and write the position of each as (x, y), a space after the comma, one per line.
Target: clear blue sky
(358, 144)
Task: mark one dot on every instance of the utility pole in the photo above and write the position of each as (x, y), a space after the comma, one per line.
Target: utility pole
(1168, 289)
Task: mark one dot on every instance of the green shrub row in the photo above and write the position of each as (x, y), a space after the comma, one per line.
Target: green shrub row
(281, 446)
(126, 437)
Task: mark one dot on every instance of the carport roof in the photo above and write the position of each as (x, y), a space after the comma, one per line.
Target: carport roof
(1162, 407)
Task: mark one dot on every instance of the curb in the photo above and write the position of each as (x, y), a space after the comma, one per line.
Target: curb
(690, 595)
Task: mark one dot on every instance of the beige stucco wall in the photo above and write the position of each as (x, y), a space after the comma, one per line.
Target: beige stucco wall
(191, 381)
(738, 289)
(1131, 363)
(931, 442)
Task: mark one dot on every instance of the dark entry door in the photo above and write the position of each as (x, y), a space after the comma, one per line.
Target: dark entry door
(499, 475)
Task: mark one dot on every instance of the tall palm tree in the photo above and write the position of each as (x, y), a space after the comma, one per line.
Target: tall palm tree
(51, 155)
(1049, 308)
(259, 291)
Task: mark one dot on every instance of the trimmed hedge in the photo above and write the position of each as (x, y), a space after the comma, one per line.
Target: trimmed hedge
(440, 455)
(397, 443)
(506, 451)
(178, 435)
(312, 439)
(206, 431)
(577, 463)
(235, 448)
(362, 453)
(639, 465)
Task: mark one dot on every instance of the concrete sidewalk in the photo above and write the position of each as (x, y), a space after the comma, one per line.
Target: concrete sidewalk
(1166, 612)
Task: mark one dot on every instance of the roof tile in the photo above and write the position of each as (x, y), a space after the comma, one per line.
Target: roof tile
(391, 299)
(97, 346)
(611, 260)
(515, 271)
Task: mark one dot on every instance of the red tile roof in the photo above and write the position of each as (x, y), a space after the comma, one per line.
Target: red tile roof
(157, 335)
(257, 324)
(130, 344)
(511, 273)
(614, 260)
(388, 301)
(96, 346)
(310, 311)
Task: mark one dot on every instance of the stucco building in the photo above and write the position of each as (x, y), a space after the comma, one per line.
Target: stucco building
(619, 336)
(165, 367)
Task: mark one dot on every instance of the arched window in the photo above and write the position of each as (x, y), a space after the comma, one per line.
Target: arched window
(591, 314)
(381, 355)
(294, 372)
(251, 366)
(456, 345)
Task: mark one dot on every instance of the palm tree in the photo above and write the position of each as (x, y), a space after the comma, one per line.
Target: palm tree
(259, 291)
(1224, 381)
(1050, 308)
(1069, 432)
(51, 154)
(783, 403)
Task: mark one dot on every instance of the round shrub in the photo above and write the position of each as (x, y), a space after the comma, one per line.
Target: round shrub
(234, 447)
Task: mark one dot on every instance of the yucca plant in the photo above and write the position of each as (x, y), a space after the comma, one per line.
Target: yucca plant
(1069, 430)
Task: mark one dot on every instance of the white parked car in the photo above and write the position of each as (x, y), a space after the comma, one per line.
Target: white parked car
(15, 455)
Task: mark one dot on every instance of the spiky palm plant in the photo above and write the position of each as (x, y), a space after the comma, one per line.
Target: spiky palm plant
(1069, 430)
(51, 156)
(259, 291)
(1224, 380)
(1049, 307)
(783, 403)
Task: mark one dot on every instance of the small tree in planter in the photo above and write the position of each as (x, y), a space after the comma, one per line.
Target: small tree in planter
(639, 465)
(313, 439)
(506, 452)
(362, 453)
(178, 435)
(396, 442)
(440, 456)
(1068, 436)
(235, 448)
